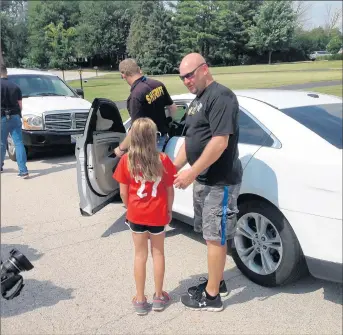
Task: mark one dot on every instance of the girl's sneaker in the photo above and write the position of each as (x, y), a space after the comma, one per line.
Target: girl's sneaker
(160, 302)
(141, 307)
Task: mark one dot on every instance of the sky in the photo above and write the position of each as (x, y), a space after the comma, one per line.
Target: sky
(317, 13)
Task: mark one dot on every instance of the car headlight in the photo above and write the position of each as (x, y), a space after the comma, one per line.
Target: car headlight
(32, 122)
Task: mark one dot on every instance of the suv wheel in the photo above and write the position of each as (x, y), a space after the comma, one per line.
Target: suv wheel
(11, 149)
(266, 249)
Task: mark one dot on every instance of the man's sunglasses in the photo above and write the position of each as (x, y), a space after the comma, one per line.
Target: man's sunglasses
(189, 75)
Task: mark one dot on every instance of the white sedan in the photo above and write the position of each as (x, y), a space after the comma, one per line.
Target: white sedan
(290, 145)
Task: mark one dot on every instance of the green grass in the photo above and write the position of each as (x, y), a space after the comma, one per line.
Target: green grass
(300, 66)
(237, 77)
(333, 90)
(124, 114)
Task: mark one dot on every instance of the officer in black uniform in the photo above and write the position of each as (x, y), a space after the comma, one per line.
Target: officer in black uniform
(148, 98)
(11, 106)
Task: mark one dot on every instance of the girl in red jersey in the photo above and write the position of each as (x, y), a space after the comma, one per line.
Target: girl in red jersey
(146, 179)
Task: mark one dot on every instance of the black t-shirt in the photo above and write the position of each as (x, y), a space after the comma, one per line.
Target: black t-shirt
(10, 94)
(214, 113)
(149, 98)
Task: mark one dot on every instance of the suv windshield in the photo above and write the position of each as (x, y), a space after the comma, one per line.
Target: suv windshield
(34, 85)
(324, 120)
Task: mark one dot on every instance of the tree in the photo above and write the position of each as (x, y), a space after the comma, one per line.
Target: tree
(319, 38)
(13, 18)
(137, 42)
(301, 10)
(104, 34)
(41, 14)
(62, 45)
(335, 44)
(247, 9)
(332, 19)
(274, 29)
(162, 56)
(188, 23)
(152, 38)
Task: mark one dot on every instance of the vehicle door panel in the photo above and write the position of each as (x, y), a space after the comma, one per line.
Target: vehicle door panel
(252, 138)
(96, 161)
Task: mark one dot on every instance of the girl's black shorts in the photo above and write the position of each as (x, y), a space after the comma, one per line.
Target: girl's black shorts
(140, 229)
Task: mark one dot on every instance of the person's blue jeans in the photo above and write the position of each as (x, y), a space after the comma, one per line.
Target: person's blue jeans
(161, 140)
(13, 127)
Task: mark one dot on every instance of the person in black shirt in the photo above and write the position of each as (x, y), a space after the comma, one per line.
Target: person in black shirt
(210, 148)
(11, 106)
(148, 98)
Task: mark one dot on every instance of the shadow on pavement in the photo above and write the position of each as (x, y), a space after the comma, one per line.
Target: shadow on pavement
(30, 253)
(58, 161)
(10, 229)
(242, 289)
(117, 227)
(246, 289)
(35, 294)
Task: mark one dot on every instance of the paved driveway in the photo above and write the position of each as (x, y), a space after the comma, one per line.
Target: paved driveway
(82, 281)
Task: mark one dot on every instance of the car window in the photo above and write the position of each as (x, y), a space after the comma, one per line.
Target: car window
(251, 133)
(180, 112)
(324, 120)
(40, 85)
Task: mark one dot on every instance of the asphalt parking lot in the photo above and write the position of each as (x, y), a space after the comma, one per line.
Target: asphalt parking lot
(82, 282)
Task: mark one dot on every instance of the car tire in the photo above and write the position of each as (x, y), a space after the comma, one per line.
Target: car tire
(292, 264)
(12, 154)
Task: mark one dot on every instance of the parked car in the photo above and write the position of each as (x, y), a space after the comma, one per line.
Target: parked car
(317, 54)
(52, 111)
(290, 204)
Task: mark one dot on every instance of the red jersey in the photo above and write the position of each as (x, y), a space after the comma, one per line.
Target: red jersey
(147, 201)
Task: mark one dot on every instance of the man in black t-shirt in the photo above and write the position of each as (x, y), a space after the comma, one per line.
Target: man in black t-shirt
(11, 106)
(148, 98)
(210, 148)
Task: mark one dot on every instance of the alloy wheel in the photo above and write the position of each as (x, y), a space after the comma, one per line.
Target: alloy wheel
(258, 244)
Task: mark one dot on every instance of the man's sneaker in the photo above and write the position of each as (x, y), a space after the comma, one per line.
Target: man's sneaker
(23, 175)
(160, 302)
(141, 307)
(199, 302)
(201, 287)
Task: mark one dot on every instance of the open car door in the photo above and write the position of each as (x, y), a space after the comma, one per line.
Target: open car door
(96, 160)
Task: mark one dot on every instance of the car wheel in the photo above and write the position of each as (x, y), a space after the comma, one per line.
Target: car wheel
(266, 249)
(11, 150)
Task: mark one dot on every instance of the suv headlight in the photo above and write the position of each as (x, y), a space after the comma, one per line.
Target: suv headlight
(32, 122)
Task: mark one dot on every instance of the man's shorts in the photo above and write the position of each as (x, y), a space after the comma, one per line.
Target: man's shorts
(141, 229)
(215, 211)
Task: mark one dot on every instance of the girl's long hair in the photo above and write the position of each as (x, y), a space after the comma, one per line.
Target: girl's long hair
(143, 157)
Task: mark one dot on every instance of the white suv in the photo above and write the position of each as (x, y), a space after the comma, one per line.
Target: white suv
(52, 111)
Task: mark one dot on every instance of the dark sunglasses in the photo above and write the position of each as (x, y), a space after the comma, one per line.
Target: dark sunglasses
(189, 75)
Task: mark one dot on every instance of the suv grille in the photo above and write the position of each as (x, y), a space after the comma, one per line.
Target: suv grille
(65, 121)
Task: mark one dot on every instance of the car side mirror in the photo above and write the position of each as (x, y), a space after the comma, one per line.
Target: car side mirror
(80, 92)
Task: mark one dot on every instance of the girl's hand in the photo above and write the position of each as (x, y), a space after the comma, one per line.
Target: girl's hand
(170, 216)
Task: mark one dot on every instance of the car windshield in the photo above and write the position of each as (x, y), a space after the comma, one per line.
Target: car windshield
(39, 85)
(324, 120)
